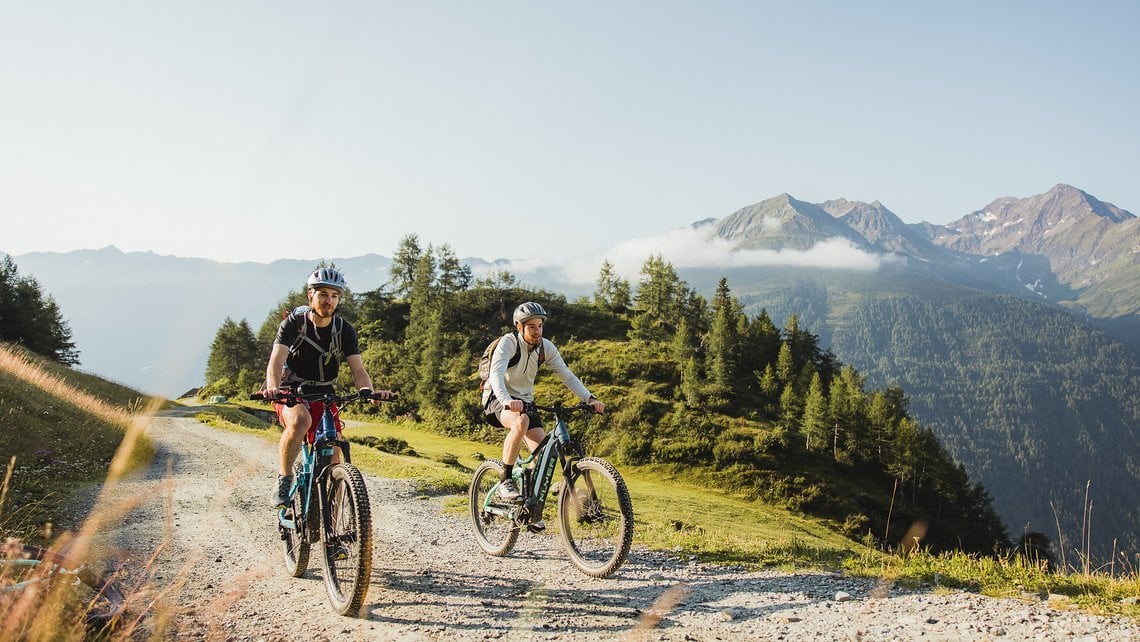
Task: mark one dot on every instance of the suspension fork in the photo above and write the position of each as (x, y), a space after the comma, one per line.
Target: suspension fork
(303, 484)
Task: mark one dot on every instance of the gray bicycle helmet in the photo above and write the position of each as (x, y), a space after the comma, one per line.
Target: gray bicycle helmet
(327, 277)
(528, 311)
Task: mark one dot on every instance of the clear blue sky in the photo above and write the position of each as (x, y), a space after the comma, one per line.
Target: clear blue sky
(281, 129)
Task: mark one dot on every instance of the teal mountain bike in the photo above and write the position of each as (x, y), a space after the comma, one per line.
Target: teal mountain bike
(328, 506)
(595, 513)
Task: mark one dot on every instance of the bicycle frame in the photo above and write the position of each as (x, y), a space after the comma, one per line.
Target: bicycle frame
(556, 448)
(315, 457)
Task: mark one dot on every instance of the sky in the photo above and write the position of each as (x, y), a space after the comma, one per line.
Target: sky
(265, 130)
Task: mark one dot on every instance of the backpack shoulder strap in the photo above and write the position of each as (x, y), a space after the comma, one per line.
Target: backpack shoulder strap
(518, 351)
(302, 328)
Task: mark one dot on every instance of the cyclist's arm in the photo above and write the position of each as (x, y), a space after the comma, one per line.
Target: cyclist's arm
(558, 365)
(359, 376)
(361, 379)
(276, 368)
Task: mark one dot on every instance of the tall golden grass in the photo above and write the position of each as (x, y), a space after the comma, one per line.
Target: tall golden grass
(45, 610)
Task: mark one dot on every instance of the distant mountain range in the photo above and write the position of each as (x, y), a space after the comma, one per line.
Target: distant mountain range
(1015, 330)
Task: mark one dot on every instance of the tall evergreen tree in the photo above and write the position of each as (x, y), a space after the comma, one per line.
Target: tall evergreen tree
(724, 339)
(658, 308)
(815, 423)
(453, 275)
(31, 318)
(791, 409)
(885, 410)
(613, 292)
(769, 389)
(422, 360)
(402, 272)
(846, 404)
(785, 365)
(233, 350)
(760, 343)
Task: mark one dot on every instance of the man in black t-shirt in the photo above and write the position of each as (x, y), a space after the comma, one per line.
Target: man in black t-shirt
(310, 344)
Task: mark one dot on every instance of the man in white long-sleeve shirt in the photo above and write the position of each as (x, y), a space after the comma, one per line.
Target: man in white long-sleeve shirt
(514, 365)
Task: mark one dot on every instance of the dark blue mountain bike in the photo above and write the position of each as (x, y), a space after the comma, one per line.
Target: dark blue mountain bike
(595, 513)
(328, 504)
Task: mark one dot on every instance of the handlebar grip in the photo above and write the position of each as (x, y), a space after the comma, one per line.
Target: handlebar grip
(257, 396)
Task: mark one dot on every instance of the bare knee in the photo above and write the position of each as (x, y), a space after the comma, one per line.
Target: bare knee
(518, 426)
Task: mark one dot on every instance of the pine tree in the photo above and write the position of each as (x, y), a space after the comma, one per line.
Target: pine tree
(769, 389)
(31, 318)
(815, 423)
(453, 275)
(785, 365)
(233, 350)
(613, 292)
(791, 409)
(846, 404)
(659, 306)
(402, 272)
(724, 338)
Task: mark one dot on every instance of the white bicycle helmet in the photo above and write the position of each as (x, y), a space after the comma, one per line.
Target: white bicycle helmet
(528, 311)
(327, 277)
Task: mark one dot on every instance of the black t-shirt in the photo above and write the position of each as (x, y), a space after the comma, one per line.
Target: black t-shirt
(306, 360)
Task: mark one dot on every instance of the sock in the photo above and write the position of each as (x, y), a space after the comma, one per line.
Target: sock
(508, 471)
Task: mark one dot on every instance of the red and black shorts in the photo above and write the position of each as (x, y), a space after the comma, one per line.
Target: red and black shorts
(316, 410)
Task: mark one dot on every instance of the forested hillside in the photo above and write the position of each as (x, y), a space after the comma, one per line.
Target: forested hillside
(694, 386)
(30, 317)
(1062, 410)
(1038, 404)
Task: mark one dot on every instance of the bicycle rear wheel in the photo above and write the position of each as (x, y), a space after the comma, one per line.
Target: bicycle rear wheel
(496, 534)
(296, 539)
(347, 541)
(595, 516)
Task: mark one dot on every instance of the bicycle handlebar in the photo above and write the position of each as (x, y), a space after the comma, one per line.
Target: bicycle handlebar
(290, 398)
(562, 411)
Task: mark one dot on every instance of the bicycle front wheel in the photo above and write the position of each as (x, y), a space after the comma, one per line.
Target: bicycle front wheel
(495, 533)
(595, 516)
(347, 540)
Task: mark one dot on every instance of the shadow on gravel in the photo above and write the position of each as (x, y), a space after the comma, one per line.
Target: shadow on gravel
(467, 602)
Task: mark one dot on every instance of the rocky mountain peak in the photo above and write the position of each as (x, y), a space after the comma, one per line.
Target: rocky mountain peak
(782, 222)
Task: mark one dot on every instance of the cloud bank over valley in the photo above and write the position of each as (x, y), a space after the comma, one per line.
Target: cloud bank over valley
(692, 247)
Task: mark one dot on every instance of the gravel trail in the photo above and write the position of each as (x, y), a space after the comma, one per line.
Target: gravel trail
(205, 496)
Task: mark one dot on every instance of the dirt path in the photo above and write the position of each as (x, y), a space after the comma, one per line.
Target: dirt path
(206, 491)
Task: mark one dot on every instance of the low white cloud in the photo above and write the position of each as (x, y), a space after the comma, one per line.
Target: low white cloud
(692, 248)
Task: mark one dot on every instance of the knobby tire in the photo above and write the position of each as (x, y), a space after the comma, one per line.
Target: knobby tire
(495, 534)
(347, 543)
(595, 517)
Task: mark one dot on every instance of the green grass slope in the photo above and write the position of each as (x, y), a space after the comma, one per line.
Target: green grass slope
(62, 428)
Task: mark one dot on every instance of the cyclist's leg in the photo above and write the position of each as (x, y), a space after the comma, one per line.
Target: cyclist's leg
(519, 429)
(295, 423)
